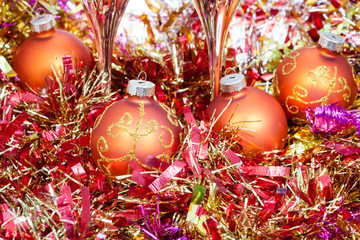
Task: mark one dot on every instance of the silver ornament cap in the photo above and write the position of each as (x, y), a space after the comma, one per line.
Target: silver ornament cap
(42, 23)
(141, 88)
(232, 82)
(331, 41)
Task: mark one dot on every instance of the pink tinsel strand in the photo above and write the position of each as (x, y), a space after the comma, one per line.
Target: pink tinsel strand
(331, 119)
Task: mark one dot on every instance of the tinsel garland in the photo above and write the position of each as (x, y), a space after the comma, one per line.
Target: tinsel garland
(50, 187)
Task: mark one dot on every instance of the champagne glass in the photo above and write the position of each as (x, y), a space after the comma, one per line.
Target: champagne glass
(215, 16)
(105, 17)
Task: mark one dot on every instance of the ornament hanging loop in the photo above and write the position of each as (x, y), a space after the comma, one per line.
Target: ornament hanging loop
(230, 68)
(141, 88)
(145, 76)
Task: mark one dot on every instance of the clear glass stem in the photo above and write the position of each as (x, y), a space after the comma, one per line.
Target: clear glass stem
(215, 18)
(105, 17)
(215, 51)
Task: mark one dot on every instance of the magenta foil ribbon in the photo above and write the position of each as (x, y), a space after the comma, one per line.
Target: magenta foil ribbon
(331, 119)
(166, 176)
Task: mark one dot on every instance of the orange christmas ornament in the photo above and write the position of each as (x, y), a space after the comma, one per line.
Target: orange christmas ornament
(132, 129)
(36, 56)
(258, 119)
(315, 76)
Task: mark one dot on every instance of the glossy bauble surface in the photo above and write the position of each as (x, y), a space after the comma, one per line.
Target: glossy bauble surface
(257, 117)
(37, 55)
(132, 129)
(311, 77)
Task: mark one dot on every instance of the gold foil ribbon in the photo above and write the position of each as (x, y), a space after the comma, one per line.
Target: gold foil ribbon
(6, 68)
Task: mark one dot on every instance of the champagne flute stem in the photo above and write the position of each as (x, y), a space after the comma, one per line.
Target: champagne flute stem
(106, 48)
(215, 17)
(215, 63)
(105, 17)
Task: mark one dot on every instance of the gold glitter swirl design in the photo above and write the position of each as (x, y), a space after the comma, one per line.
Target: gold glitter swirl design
(352, 71)
(290, 66)
(102, 147)
(276, 86)
(319, 76)
(122, 126)
(162, 140)
(171, 117)
(298, 93)
(124, 121)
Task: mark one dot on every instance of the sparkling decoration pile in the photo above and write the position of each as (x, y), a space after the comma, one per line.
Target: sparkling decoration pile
(51, 187)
